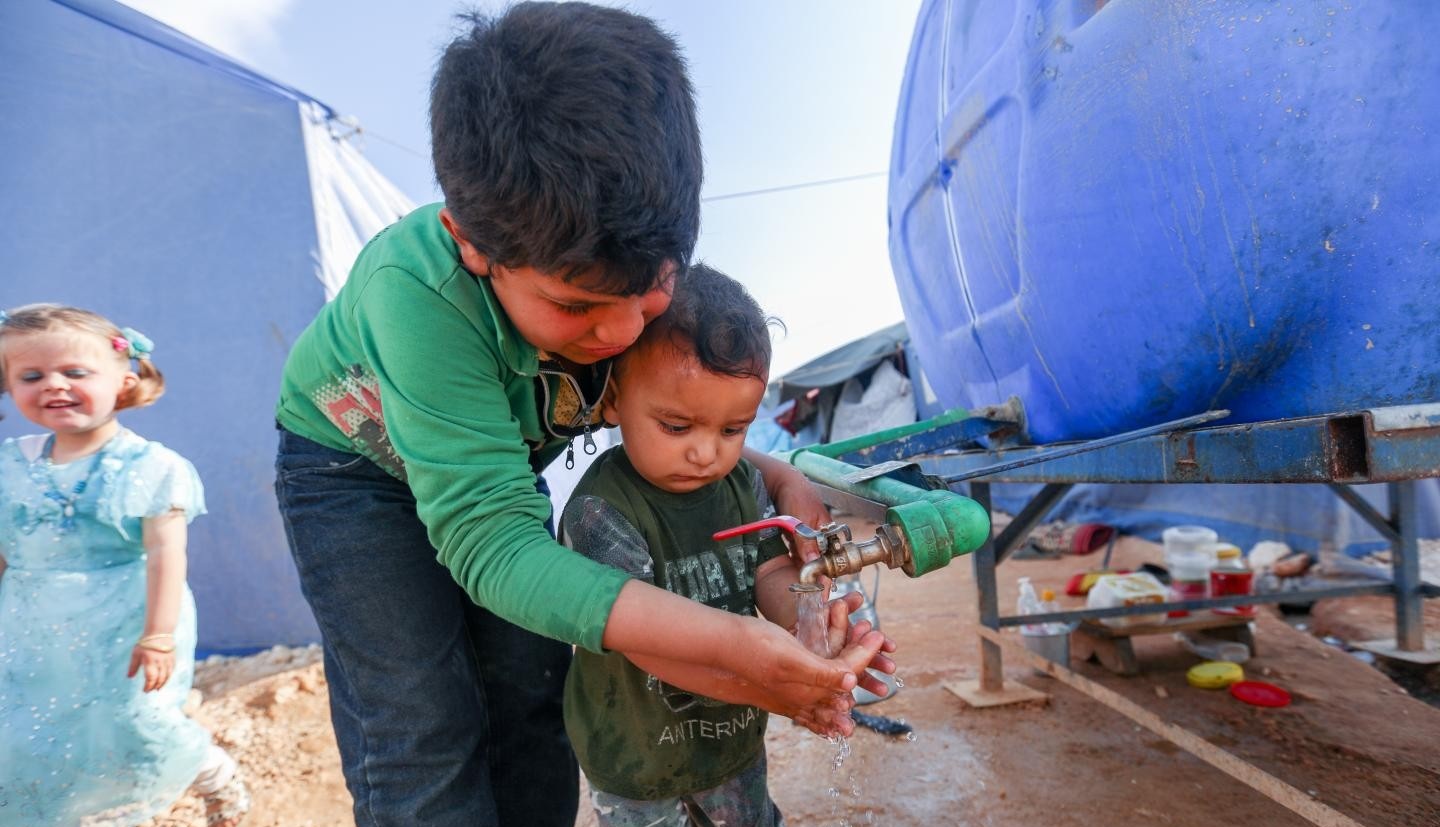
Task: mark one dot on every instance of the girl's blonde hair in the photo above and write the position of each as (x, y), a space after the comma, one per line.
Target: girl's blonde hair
(47, 318)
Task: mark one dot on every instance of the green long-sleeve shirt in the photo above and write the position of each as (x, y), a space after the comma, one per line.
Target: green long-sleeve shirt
(415, 365)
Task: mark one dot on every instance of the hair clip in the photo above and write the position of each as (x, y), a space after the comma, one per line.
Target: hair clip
(133, 343)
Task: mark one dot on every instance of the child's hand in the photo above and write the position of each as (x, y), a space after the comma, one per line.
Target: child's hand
(794, 495)
(158, 666)
(843, 634)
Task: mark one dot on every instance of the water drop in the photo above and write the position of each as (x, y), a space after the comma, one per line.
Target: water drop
(899, 682)
(910, 736)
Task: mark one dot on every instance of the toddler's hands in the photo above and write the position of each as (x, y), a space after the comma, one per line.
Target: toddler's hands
(794, 495)
(158, 666)
(843, 634)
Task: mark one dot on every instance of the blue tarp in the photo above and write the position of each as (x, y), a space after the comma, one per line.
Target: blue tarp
(152, 179)
(1304, 516)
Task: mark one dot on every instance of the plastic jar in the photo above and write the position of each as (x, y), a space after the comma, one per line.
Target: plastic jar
(1189, 556)
(1230, 576)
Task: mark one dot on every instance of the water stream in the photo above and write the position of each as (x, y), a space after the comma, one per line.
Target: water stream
(812, 629)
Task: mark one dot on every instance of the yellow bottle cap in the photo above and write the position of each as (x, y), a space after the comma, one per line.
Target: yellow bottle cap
(1047, 594)
(1224, 551)
(1215, 674)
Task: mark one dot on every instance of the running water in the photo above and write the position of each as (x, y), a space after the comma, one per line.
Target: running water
(812, 627)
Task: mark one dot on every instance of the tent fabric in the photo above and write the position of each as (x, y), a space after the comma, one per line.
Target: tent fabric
(886, 402)
(846, 361)
(154, 180)
(352, 199)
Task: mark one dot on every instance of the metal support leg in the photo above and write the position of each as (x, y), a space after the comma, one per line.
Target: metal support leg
(1405, 562)
(992, 667)
(1030, 516)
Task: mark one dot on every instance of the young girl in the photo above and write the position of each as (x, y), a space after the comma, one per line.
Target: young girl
(97, 626)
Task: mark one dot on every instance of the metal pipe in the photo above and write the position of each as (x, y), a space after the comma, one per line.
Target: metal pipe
(1405, 568)
(1072, 615)
(934, 526)
(992, 661)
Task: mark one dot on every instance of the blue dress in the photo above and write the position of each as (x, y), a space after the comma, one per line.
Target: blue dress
(80, 743)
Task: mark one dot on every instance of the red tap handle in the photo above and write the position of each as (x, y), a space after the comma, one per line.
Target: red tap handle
(790, 524)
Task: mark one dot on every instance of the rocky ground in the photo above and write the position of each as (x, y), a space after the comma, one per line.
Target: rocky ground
(1354, 738)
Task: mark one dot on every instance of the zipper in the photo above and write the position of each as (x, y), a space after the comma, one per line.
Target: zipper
(587, 410)
(587, 444)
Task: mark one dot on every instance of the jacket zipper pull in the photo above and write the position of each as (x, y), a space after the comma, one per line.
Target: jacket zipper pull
(590, 446)
(570, 455)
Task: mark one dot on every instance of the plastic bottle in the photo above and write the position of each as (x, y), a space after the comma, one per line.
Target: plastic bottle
(1028, 603)
(1049, 640)
(1048, 606)
(1231, 576)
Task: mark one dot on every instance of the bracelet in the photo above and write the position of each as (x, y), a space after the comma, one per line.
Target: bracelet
(148, 642)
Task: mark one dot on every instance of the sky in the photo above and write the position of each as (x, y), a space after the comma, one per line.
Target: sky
(789, 91)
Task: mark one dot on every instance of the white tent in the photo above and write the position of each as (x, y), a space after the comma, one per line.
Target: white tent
(161, 183)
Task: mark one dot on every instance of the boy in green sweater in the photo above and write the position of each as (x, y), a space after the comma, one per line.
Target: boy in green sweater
(470, 343)
(683, 396)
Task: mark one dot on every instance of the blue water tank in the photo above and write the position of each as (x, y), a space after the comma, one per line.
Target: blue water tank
(1132, 211)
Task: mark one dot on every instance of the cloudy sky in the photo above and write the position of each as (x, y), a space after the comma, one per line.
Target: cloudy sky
(790, 91)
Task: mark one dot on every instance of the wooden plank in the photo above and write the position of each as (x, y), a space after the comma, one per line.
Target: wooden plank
(1193, 623)
(1252, 776)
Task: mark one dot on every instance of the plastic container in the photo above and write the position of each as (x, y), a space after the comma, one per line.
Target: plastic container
(1210, 649)
(1189, 555)
(1028, 603)
(1055, 647)
(1122, 212)
(1189, 551)
(1259, 693)
(1049, 640)
(1215, 675)
(1137, 589)
(1231, 576)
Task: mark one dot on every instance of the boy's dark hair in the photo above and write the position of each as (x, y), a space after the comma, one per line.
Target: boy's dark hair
(712, 317)
(564, 138)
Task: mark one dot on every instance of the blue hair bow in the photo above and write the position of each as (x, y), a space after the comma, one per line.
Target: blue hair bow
(138, 345)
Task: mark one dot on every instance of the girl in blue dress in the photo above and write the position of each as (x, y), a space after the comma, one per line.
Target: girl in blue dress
(97, 626)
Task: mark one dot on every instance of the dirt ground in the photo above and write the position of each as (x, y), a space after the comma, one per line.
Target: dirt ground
(1353, 738)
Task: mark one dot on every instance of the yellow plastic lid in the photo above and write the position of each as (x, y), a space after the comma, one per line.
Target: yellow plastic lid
(1215, 674)
(1047, 594)
(1224, 551)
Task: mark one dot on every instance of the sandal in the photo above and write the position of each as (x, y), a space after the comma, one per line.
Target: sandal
(227, 805)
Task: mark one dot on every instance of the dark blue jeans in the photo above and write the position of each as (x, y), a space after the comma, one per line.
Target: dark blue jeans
(445, 714)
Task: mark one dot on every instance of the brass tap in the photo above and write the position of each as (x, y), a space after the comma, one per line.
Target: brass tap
(839, 554)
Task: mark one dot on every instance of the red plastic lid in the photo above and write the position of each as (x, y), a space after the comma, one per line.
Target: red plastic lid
(1260, 693)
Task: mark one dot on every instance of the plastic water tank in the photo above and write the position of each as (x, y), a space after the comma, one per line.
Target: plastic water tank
(1132, 211)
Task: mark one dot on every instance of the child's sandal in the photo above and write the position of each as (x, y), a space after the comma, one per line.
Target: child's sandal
(228, 804)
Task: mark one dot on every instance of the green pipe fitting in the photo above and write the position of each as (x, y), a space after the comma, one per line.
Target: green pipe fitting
(938, 525)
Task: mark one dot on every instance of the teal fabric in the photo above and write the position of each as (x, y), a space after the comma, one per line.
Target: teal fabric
(77, 738)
